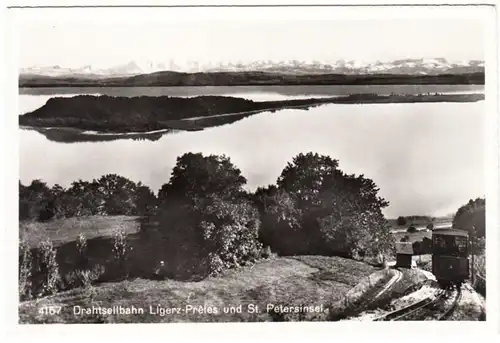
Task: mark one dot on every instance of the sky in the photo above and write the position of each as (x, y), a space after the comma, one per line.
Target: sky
(102, 42)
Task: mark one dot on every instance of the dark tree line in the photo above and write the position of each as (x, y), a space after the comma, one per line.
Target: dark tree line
(109, 195)
(403, 220)
(471, 217)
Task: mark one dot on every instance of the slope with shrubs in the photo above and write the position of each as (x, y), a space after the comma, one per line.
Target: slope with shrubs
(308, 280)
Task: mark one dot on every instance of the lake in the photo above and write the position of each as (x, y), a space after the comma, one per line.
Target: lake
(426, 158)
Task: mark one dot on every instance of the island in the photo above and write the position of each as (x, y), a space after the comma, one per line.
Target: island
(98, 118)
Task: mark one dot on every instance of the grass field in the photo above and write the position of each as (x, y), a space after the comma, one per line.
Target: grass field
(304, 280)
(412, 237)
(61, 231)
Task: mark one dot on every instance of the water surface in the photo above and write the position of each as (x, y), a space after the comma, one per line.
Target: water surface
(427, 158)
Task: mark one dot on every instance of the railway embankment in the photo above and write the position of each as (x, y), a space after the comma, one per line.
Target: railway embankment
(470, 307)
(410, 294)
(374, 293)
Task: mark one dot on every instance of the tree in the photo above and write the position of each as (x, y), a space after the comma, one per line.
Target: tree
(111, 194)
(304, 176)
(35, 201)
(412, 229)
(401, 221)
(118, 194)
(471, 216)
(333, 212)
(206, 221)
(84, 198)
(145, 200)
(280, 218)
(195, 175)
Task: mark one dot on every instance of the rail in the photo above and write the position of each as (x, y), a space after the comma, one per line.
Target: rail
(422, 309)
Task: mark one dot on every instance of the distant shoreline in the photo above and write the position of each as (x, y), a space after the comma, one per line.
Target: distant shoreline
(177, 79)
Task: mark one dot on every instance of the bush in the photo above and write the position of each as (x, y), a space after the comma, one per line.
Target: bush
(230, 233)
(412, 229)
(121, 251)
(48, 267)
(401, 221)
(405, 238)
(83, 278)
(25, 267)
(81, 246)
(266, 252)
(480, 274)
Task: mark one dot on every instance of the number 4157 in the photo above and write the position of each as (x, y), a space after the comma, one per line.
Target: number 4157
(49, 310)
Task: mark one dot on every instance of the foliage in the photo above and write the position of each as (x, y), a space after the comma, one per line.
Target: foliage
(280, 218)
(419, 219)
(411, 229)
(81, 246)
(401, 221)
(478, 245)
(120, 251)
(118, 194)
(266, 252)
(83, 277)
(48, 267)
(25, 271)
(322, 210)
(480, 274)
(205, 217)
(195, 175)
(35, 201)
(111, 194)
(145, 200)
(230, 232)
(472, 218)
(405, 238)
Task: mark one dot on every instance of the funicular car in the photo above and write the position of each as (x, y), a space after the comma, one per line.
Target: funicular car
(450, 256)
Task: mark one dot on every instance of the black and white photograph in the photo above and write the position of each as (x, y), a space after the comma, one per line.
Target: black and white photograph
(184, 166)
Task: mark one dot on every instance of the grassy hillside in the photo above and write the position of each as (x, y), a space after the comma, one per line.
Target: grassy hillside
(170, 78)
(301, 280)
(305, 280)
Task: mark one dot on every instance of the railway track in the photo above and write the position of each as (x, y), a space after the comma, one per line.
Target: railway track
(439, 307)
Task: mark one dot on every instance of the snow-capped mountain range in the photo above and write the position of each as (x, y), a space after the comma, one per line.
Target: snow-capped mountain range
(421, 66)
